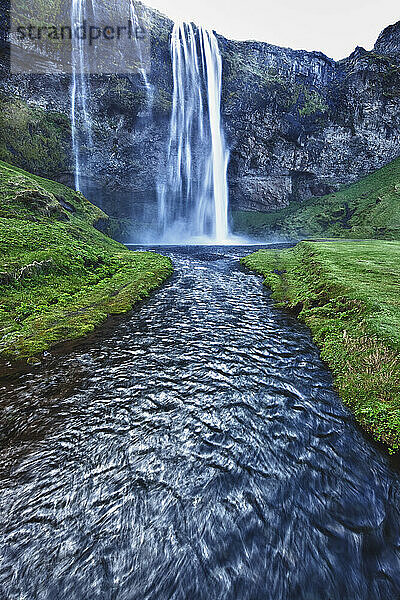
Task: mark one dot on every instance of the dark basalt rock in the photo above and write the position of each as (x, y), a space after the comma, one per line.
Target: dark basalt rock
(389, 40)
(300, 124)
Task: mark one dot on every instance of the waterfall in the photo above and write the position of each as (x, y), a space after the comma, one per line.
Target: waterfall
(193, 199)
(142, 70)
(79, 92)
(84, 58)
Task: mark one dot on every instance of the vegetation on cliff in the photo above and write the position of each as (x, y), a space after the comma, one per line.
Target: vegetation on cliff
(348, 294)
(33, 138)
(59, 276)
(369, 208)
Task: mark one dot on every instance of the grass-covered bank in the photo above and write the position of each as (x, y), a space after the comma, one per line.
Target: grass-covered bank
(369, 208)
(348, 293)
(59, 276)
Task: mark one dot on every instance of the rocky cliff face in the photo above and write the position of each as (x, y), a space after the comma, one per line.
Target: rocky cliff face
(389, 40)
(120, 170)
(298, 123)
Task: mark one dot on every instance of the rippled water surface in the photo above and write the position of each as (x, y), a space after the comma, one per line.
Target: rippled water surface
(194, 450)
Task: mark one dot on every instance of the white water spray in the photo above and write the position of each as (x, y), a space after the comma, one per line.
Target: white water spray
(193, 200)
(79, 92)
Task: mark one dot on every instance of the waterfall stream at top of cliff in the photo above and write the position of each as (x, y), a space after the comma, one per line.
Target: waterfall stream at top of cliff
(79, 92)
(88, 58)
(193, 198)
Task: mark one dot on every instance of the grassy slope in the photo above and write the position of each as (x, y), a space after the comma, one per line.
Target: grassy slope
(349, 295)
(369, 208)
(59, 276)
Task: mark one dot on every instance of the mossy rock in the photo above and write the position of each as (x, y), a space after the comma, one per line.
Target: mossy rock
(33, 138)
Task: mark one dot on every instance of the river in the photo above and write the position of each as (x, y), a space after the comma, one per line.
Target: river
(194, 450)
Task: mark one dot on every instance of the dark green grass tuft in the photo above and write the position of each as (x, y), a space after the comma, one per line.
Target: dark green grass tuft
(348, 293)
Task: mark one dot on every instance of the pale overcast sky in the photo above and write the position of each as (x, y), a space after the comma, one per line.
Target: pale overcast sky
(334, 28)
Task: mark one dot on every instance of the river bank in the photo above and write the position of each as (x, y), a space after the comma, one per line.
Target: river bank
(60, 277)
(348, 294)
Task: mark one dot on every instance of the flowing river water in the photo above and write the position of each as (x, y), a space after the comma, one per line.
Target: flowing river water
(194, 450)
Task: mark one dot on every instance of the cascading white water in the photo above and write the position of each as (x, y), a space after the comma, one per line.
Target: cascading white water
(142, 70)
(79, 91)
(193, 200)
(92, 11)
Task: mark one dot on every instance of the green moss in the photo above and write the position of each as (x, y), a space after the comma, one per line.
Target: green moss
(59, 276)
(118, 98)
(162, 102)
(254, 223)
(304, 100)
(348, 294)
(313, 103)
(238, 63)
(33, 138)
